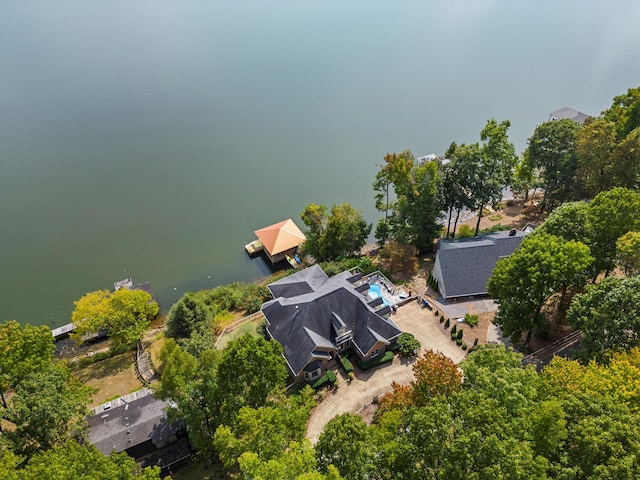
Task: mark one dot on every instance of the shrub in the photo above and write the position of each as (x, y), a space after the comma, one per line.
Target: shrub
(387, 357)
(453, 337)
(495, 217)
(459, 342)
(346, 363)
(464, 346)
(471, 320)
(465, 231)
(441, 319)
(459, 335)
(454, 329)
(446, 324)
(407, 344)
(475, 342)
(329, 377)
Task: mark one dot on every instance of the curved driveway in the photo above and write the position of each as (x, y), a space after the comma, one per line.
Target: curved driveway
(352, 397)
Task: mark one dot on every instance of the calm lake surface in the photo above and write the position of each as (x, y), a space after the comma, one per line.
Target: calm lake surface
(150, 139)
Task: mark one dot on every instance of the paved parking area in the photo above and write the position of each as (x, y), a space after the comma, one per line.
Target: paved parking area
(352, 397)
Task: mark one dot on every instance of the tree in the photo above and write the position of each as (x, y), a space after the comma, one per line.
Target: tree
(343, 444)
(499, 372)
(611, 214)
(552, 150)
(298, 462)
(454, 193)
(494, 167)
(47, 409)
(625, 112)
(523, 282)
(341, 233)
(266, 431)
(188, 315)
(608, 315)
(628, 248)
(408, 344)
(569, 221)
(435, 374)
(71, 461)
(399, 257)
(23, 351)
(412, 217)
(250, 370)
(123, 314)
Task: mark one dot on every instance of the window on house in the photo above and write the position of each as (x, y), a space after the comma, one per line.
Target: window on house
(375, 353)
(311, 375)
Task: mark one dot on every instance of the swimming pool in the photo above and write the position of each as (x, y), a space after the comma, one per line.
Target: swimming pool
(375, 292)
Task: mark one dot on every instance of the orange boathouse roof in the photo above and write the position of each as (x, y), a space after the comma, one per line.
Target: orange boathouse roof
(280, 237)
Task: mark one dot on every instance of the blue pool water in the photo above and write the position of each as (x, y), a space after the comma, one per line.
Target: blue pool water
(375, 292)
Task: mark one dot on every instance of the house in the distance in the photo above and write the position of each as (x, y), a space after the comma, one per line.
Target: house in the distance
(463, 267)
(568, 113)
(315, 317)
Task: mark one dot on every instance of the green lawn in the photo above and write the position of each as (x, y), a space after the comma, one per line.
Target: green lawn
(248, 327)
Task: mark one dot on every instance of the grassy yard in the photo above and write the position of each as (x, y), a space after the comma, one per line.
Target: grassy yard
(112, 377)
(248, 327)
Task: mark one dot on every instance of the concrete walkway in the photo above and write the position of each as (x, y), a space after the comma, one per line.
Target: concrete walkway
(352, 397)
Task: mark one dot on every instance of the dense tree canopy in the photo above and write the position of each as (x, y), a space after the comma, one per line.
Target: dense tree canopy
(524, 281)
(72, 461)
(411, 217)
(552, 150)
(123, 314)
(341, 233)
(611, 214)
(210, 390)
(608, 315)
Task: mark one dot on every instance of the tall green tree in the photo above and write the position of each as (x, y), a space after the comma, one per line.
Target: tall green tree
(344, 444)
(608, 315)
(552, 150)
(410, 218)
(23, 352)
(48, 407)
(188, 315)
(124, 314)
(628, 248)
(72, 461)
(267, 430)
(569, 221)
(611, 214)
(524, 281)
(341, 233)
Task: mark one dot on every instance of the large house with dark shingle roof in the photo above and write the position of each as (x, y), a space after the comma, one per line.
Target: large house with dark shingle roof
(463, 267)
(316, 317)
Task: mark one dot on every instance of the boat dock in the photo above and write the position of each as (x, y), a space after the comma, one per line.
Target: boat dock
(254, 247)
(63, 331)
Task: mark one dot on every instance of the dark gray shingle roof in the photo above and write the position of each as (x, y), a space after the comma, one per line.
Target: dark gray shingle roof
(467, 264)
(307, 321)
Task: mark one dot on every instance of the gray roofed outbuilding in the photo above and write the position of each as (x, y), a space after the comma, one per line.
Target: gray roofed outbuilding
(463, 267)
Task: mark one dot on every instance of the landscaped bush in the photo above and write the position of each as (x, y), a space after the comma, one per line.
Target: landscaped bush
(459, 335)
(346, 363)
(446, 324)
(441, 319)
(471, 320)
(407, 344)
(454, 329)
(329, 377)
(387, 357)
(453, 337)
(465, 231)
(495, 217)
(464, 346)
(459, 342)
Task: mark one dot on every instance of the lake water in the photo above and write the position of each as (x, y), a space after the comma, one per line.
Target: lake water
(149, 138)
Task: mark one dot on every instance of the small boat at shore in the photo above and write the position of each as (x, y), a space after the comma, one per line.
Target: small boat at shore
(291, 261)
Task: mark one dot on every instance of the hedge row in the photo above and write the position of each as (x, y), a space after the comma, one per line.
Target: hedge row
(346, 363)
(329, 377)
(387, 357)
